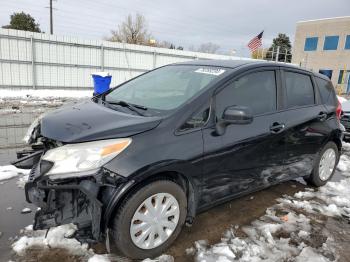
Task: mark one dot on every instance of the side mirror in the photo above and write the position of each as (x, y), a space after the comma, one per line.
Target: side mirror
(239, 115)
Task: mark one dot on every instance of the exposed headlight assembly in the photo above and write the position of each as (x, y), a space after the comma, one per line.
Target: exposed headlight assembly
(30, 137)
(84, 157)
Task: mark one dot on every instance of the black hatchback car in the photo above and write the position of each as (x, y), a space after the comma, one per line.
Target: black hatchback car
(135, 164)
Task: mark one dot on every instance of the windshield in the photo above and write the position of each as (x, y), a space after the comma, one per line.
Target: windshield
(166, 88)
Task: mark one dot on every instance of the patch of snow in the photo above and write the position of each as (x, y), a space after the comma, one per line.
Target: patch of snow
(190, 251)
(346, 146)
(303, 234)
(22, 180)
(162, 258)
(335, 195)
(29, 228)
(310, 254)
(55, 239)
(26, 210)
(344, 165)
(99, 258)
(9, 171)
(69, 233)
(9, 111)
(44, 93)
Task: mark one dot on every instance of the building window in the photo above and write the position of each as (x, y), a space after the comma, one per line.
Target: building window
(347, 42)
(331, 42)
(326, 72)
(310, 44)
(342, 78)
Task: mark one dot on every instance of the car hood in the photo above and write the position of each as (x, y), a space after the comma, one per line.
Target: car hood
(88, 121)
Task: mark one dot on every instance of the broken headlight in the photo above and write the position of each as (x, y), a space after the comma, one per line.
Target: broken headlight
(84, 157)
(29, 136)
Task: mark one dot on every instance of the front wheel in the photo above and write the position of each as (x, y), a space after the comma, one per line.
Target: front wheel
(150, 219)
(324, 165)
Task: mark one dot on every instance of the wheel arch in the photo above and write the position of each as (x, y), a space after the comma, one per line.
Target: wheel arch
(336, 137)
(138, 180)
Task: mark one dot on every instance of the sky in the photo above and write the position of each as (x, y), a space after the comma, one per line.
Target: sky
(231, 24)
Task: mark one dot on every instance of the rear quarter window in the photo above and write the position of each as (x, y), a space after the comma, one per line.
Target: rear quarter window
(327, 92)
(299, 89)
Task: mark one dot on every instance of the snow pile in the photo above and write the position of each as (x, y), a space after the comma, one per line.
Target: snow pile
(99, 258)
(26, 210)
(22, 180)
(29, 94)
(54, 239)
(7, 172)
(162, 258)
(344, 165)
(334, 196)
(271, 238)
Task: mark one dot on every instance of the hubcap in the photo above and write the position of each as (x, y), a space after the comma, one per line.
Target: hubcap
(327, 164)
(154, 221)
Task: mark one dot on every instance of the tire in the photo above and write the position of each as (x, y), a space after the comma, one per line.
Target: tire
(315, 178)
(125, 219)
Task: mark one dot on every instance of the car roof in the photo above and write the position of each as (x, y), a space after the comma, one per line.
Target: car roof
(246, 62)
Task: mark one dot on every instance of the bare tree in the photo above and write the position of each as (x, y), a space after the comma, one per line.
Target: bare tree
(133, 30)
(208, 47)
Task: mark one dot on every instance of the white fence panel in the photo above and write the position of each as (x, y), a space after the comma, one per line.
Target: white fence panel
(34, 60)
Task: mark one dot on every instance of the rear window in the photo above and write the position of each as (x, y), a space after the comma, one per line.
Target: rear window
(300, 91)
(327, 91)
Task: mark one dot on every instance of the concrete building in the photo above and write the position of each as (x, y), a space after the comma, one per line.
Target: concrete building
(323, 45)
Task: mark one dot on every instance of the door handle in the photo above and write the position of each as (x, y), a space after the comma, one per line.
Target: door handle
(277, 128)
(322, 116)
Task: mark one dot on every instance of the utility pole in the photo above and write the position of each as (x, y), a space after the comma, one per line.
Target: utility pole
(51, 18)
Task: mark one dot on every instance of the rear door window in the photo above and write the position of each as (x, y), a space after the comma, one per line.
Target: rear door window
(299, 89)
(327, 91)
(255, 90)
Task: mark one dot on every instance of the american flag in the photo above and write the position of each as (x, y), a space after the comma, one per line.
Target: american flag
(256, 42)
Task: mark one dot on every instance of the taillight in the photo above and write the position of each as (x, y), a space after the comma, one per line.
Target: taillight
(338, 111)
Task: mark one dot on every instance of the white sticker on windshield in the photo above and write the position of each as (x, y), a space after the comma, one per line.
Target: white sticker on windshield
(210, 71)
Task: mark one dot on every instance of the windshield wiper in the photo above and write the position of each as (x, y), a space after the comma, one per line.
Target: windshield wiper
(130, 106)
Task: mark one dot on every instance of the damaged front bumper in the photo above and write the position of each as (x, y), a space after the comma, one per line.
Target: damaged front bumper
(80, 201)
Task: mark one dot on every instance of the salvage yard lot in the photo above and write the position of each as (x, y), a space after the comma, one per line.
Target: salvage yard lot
(289, 221)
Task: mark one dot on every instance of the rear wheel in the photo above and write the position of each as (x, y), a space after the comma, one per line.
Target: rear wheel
(150, 219)
(324, 165)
